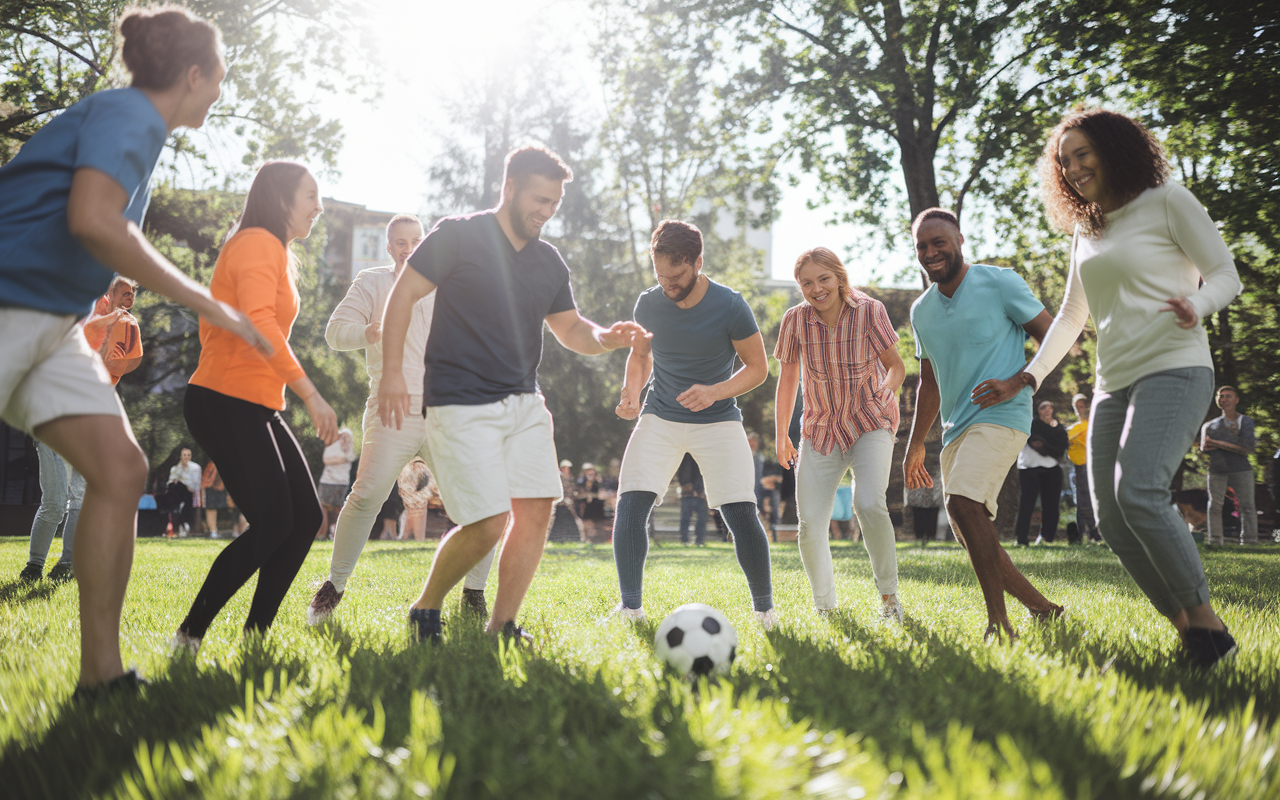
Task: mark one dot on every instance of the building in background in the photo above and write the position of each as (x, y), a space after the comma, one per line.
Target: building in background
(357, 237)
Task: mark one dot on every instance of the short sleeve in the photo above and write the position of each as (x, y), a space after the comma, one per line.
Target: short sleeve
(437, 256)
(742, 324)
(921, 353)
(1020, 305)
(563, 301)
(881, 331)
(788, 348)
(118, 140)
(640, 312)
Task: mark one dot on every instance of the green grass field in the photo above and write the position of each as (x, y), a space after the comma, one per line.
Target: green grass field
(1096, 705)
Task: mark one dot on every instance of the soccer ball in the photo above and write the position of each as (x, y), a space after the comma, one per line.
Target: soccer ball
(696, 640)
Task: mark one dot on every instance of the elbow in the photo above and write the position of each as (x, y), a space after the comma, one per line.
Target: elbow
(89, 229)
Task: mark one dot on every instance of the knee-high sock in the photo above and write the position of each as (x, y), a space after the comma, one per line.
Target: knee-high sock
(752, 547)
(631, 543)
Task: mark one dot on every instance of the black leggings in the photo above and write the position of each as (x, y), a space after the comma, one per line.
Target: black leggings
(264, 471)
(1046, 482)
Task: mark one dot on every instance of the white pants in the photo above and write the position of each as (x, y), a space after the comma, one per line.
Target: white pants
(383, 455)
(817, 477)
(1242, 482)
(657, 446)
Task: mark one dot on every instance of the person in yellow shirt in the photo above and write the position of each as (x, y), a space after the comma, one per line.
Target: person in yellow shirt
(1077, 435)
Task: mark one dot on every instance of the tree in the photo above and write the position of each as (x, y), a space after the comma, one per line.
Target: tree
(54, 53)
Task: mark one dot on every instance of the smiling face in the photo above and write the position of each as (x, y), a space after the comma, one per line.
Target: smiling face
(402, 240)
(1082, 409)
(1227, 400)
(820, 286)
(939, 249)
(677, 280)
(185, 457)
(1045, 411)
(305, 208)
(532, 200)
(1081, 167)
(203, 90)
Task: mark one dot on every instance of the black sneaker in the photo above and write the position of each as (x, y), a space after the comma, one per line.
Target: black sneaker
(424, 626)
(473, 603)
(322, 605)
(514, 633)
(62, 572)
(1205, 647)
(30, 574)
(129, 682)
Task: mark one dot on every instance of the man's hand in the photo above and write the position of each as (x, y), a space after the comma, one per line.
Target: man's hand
(393, 399)
(787, 455)
(622, 334)
(697, 397)
(373, 332)
(628, 406)
(1184, 311)
(913, 469)
(994, 391)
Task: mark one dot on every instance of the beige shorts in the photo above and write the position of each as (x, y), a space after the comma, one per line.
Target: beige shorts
(976, 465)
(48, 371)
(657, 446)
(483, 456)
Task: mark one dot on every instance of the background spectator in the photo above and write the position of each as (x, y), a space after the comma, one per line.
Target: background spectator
(693, 501)
(336, 478)
(1039, 473)
(1229, 439)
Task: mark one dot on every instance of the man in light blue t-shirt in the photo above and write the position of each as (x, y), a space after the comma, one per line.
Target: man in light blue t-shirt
(970, 327)
(699, 327)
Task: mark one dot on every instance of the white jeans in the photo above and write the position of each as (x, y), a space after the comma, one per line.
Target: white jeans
(1242, 482)
(817, 477)
(383, 455)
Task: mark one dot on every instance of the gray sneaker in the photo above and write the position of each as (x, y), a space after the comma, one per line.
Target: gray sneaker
(891, 612)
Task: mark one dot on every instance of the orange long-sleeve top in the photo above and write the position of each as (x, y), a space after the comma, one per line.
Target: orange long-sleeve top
(252, 274)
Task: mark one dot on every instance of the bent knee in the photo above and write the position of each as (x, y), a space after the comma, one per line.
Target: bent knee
(124, 477)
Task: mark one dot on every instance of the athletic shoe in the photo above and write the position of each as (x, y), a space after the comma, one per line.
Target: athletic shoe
(184, 644)
(473, 603)
(625, 614)
(322, 605)
(62, 572)
(767, 619)
(514, 633)
(1039, 540)
(422, 628)
(1205, 647)
(891, 611)
(30, 574)
(129, 682)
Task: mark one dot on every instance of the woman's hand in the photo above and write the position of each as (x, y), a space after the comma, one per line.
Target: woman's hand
(224, 316)
(1184, 311)
(787, 455)
(323, 419)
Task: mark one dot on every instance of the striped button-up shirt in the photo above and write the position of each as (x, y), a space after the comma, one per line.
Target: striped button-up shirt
(841, 370)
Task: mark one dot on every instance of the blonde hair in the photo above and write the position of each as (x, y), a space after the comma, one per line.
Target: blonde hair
(828, 260)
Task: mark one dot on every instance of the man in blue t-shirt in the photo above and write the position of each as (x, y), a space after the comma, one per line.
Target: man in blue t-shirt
(488, 433)
(970, 328)
(699, 327)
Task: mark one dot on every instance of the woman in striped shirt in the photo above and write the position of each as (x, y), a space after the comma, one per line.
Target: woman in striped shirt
(852, 372)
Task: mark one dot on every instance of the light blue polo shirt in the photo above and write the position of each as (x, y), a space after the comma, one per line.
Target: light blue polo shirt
(42, 266)
(974, 335)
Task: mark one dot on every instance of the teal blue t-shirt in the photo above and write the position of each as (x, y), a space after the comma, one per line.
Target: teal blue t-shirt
(693, 346)
(42, 266)
(974, 335)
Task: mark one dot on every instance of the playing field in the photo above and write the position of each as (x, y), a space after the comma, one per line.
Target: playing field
(1096, 705)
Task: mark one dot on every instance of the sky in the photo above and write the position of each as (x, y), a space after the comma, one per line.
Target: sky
(387, 143)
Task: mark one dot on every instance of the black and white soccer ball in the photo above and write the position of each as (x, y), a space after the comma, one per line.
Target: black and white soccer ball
(695, 639)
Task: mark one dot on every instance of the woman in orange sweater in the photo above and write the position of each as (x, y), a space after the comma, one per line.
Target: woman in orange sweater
(234, 401)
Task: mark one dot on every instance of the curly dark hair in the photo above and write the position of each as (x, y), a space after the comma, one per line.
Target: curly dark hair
(1132, 162)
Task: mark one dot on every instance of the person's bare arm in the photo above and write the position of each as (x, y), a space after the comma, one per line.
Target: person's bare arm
(754, 371)
(95, 216)
(581, 335)
(636, 377)
(784, 405)
(928, 401)
(393, 395)
(897, 371)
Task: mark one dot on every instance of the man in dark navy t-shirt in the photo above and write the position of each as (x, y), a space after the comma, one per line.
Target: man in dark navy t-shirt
(489, 434)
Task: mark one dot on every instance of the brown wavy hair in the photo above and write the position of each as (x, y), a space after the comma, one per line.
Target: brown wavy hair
(1132, 161)
(828, 260)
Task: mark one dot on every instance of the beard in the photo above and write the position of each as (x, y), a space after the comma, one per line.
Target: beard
(952, 269)
(681, 292)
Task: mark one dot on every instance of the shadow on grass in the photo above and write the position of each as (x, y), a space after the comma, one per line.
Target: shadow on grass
(882, 692)
(21, 592)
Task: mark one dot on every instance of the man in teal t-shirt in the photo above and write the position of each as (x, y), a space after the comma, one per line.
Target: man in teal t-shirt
(970, 328)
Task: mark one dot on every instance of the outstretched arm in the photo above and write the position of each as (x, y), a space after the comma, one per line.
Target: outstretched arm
(928, 401)
(581, 335)
(393, 395)
(755, 368)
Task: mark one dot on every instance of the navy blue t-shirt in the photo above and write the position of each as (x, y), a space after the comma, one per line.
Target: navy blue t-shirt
(42, 266)
(693, 346)
(491, 300)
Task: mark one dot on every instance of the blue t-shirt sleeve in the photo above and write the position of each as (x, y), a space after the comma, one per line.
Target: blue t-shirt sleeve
(742, 323)
(1020, 305)
(118, 140)
(437, 256)
(921, 353)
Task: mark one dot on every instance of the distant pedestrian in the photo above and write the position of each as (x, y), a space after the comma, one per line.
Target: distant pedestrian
(693, 501)
(186, 473)
(215, 497)
(1229, 439)
(1040, 474)
(1077, 439)
(335, 478)
(590, 494)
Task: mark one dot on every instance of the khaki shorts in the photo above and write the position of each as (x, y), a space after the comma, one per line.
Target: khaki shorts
(483, 456)
(657, 446)
(48, 371)
(976, 465)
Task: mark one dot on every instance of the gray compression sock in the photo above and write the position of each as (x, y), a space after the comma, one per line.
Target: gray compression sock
(631, 543)
(752, 547)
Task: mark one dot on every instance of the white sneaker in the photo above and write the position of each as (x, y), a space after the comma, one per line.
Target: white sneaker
(184, 644)
(891, 611)
(621, 612)
(767, 619)
(1039, 540)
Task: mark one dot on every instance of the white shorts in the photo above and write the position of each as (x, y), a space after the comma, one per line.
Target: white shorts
(976, 465)
(48, 371)
(657, 446)
(483, 456)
